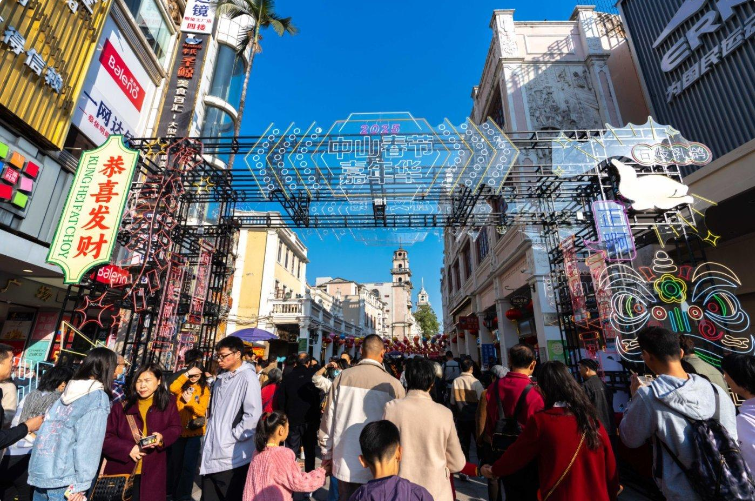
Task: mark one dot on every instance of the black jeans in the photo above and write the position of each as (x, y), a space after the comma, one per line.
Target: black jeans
(183, 457)
(224, 485)
(466, 431)
(304, 435)
(523, 484)
(14, 472)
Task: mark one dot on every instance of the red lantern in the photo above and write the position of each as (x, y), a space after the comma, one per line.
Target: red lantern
(453, 339)
(327, 340)
(475, 333)
(462, 335)
(514, 314)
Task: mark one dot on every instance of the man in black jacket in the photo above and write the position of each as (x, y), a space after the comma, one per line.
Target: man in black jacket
(599, 394)
(300, 400)
(12, 435)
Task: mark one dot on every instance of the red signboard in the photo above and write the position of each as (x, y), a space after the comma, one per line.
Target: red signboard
(169, 306)
(113, 276)
(469, 323)
(116, 67)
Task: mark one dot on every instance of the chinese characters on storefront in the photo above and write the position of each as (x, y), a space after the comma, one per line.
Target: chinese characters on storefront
(45, 47)
(89, 224)
(199, 16)
(178, 108)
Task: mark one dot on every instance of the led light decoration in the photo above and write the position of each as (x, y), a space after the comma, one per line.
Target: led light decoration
(711, 314)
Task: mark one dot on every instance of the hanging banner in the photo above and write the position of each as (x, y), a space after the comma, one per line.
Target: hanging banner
(85, 236)
(200, 286)
(168, 322)
(183, 88)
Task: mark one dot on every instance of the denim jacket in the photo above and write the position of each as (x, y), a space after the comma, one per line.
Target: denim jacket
(69, 444)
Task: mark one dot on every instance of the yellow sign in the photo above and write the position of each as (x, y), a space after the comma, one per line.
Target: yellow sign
(86, 233)
(45, 50)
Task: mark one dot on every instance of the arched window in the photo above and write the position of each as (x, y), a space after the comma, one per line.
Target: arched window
(400, 265)
(400, 280)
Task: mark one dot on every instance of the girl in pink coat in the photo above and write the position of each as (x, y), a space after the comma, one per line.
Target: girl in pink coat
(274, 474)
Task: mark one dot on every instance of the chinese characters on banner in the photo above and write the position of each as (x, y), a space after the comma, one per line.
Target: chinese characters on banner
(168, 321)
(89, 224)
(574, 280)
(381, 155)
(614, 231)
(200, 287)
(597, 265)
(198, 17)
(178, 108)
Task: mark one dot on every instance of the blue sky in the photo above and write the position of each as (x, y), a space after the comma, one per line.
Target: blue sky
(353, 56)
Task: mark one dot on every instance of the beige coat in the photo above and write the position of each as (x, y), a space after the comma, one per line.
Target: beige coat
(430, 445)
(358, 396)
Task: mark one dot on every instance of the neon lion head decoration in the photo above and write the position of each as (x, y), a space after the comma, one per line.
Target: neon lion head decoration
(697, 302)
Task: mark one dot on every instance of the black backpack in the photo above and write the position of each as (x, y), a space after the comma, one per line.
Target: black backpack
(719, 472)
(508, 429)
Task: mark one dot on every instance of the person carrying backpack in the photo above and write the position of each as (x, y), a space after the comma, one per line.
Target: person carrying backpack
(517, 400)
(465, 398)
(691, 424)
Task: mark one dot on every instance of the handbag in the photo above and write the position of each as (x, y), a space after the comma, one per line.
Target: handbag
(116, 487)
(566, 472)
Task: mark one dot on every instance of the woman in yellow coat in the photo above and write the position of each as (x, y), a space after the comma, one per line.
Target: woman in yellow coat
(192, 396)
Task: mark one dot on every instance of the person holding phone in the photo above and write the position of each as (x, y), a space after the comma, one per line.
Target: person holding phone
(192, 397)
(155, 412)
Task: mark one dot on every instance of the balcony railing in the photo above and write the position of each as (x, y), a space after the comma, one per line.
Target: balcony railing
(287, 308)
(396, 271)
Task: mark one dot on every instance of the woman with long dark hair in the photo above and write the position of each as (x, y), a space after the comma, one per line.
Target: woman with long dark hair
(67, 449)
(269, 389)
(149, 413)
(274, 474)
(14, 468)
(572, 449)
(192, 397)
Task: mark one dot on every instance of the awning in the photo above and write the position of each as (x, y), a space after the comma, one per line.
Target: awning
(254, 334)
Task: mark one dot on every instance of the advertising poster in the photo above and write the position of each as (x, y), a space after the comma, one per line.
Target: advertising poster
(199, 16)
(117, 91)
(488, 355)
(41, 337)
(556, 351)
(16, 329)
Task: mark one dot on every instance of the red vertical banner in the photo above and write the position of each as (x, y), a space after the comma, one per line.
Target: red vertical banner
(169, 307)
(201, 284)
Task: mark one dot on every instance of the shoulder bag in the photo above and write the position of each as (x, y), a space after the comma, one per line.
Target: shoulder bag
(566, 472)
(117, 487)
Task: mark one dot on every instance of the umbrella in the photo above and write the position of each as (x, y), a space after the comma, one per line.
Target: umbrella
(254, 334)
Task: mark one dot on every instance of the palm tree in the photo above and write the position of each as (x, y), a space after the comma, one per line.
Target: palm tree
(263, 11)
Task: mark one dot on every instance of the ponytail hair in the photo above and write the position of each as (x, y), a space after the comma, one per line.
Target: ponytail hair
(266, 426)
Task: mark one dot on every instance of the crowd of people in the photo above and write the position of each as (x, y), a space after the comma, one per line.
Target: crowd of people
(384, 428)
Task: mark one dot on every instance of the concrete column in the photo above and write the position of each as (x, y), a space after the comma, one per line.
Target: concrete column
(304, 332)
(541, 310)
(507, 333)
(472, 349)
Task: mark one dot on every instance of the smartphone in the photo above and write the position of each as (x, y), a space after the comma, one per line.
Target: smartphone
(150, 440)
(68, 491)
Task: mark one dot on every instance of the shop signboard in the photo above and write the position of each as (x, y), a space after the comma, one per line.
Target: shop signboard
(303, 344)
(85, 236)
(41, 337)
(183, 87)
(117, 91)
(16, 329)
(113, 276)
(469, 323)
(199, 16)
(168, 322)
(45, 49)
